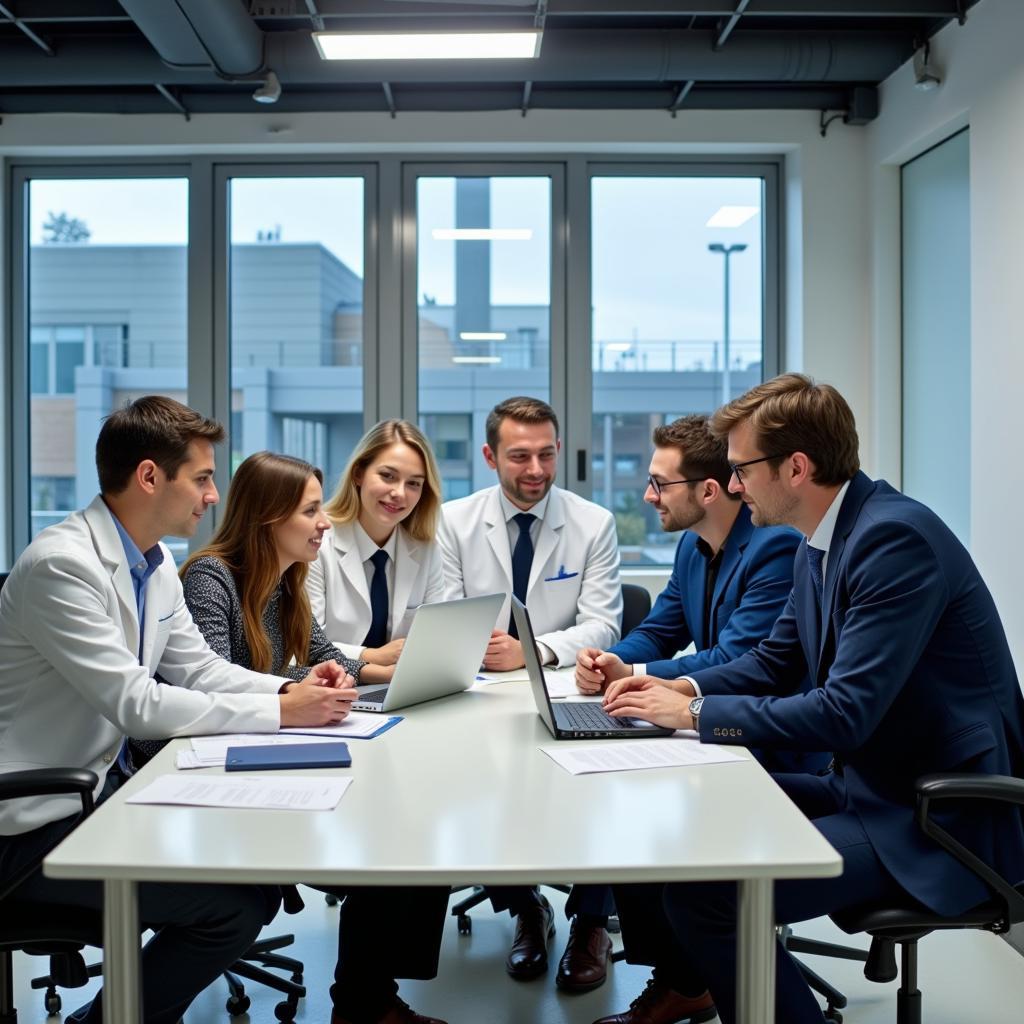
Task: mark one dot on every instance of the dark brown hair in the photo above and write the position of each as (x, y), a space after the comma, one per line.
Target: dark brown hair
(522, 410)
(265, 490)
(153, 427)
(702, 455)
(791, 413)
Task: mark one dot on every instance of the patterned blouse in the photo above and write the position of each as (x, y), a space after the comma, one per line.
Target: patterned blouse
(212, 598)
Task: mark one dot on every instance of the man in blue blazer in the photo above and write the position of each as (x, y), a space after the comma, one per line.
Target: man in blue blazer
(728, 586)
(912, 675)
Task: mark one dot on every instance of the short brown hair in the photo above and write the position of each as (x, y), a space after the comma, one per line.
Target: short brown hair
(152, 427)
(791, 413)
(345, 503)
(702, 455)
(522, 410)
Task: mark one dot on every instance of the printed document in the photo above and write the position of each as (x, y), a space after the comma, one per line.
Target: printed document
(268, 792)
(627, 756)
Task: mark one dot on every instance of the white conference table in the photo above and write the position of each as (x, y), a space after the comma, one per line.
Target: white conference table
(459, 793)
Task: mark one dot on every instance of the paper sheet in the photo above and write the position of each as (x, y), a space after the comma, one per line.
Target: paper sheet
(268, 792)
(626, 755)
(358, 725)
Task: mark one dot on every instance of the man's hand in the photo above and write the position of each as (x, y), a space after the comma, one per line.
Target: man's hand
(596, 669)
(322, 698)
(376, 673)
(681, 686)
(647, 698)
(386, 655)
(504, 653)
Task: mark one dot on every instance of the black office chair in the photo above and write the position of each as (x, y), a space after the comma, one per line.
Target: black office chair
(906, 923)
(636, 603)
(37, 929)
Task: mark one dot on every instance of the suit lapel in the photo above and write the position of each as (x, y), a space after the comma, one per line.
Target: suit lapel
(497, 535)
(732, 554)
(111, 552)
(696, 569)
(351, 563)
(547, 538)
(407, 568)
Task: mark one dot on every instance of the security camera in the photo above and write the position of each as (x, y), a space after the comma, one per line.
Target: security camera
(269, 91)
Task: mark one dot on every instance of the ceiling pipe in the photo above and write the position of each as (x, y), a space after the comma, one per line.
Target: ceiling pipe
(201, 34)
(568, 56)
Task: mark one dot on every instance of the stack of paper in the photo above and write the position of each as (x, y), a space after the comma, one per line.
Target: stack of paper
(627, 755)
(267, 792)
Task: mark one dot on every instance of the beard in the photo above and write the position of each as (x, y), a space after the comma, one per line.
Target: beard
(682, 519)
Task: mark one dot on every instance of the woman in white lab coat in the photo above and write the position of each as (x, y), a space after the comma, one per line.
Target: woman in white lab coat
(388, 500)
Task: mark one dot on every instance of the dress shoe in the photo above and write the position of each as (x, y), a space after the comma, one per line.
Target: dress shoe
(535, 928)
(584, 964)
(398, 1012)
(660, 1005)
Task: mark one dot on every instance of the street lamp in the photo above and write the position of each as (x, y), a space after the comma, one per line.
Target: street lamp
(726, 251)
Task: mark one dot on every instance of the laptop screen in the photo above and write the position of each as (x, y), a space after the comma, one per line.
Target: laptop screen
(533, 665)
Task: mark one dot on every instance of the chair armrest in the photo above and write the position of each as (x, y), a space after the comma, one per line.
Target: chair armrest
(51, 782)
(965, 786)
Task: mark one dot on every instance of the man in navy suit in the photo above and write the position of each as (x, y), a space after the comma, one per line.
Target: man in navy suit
(728, 586)
(912, 675)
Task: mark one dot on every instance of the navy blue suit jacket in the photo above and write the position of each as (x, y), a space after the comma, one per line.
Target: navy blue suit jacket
(912, 675)
(754, 581)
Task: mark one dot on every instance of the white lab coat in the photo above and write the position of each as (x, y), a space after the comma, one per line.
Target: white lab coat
(574, 596)
(71, 682)
(340, 596)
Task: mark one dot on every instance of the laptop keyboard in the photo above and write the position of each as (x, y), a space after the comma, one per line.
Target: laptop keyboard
(373, 696)
(575, 715)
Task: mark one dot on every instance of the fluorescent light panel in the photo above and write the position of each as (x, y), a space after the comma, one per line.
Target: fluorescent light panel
(480, 360)
(732, 216)
(482, 234)
(523, 45)
(482, 335)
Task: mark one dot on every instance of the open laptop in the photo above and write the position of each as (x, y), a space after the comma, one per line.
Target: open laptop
(442, 654)
(575, 720)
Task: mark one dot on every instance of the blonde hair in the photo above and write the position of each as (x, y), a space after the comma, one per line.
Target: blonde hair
(344, 505)
(791, 413)
(265, 490)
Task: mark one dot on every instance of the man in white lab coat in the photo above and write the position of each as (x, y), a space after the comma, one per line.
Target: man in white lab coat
(92, 610)
(559, 555)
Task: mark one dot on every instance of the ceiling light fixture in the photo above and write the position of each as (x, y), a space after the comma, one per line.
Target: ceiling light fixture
(482, 234)
(732, 216)
(482, 336)
(927, 75)
(269, 91)
(524, 45)
(479, 360)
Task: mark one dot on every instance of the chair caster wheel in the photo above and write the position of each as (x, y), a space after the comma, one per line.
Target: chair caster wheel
(465, 923)
(285, 1012)
(237, 1005)
(834, 1016)
(331, 900)
(52, 1002)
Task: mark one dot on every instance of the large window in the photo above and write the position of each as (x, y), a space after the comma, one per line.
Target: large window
(677, 324)
(300, 301)
(107, 311)
(296, 321)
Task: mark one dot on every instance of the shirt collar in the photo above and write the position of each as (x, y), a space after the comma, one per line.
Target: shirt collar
(141, 565)
(822, 536)
(509, 510)
(368, 547)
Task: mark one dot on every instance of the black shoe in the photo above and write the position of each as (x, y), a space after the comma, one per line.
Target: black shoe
(535, 928)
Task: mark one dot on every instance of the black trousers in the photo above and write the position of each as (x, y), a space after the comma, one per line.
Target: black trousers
(200, 930)
(384, 934)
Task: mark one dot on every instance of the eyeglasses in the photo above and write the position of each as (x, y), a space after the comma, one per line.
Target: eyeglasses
(658, 485)
(736, 467)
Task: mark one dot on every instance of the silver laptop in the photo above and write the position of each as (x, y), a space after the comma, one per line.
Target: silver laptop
(442, 654)
(575, 720)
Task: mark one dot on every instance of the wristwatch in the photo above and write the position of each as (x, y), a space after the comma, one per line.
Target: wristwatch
(694, 710)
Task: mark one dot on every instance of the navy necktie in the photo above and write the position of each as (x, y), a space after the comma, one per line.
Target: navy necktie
(377, 634)
(522, 560)
(815, 557)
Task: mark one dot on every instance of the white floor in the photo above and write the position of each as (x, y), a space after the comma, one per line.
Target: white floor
(966, 978)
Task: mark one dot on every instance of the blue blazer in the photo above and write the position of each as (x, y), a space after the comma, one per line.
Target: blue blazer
(754, 581)
(912, 675)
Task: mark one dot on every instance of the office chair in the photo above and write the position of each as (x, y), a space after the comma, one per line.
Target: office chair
(636, 603)
(36, 929)
(908, 922)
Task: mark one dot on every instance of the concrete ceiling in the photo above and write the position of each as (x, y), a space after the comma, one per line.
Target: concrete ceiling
(208, 56)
